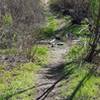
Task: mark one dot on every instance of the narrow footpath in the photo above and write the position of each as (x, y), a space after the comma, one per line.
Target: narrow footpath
(51, 73)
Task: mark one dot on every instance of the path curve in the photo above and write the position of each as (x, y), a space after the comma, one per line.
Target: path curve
(52, 72)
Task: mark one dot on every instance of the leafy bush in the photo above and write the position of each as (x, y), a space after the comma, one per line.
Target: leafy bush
(79, 30)
(7, 19)
(41, 54)
(51, 26)
(78, 50)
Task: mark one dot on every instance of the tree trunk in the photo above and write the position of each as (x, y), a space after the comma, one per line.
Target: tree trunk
(96, 39)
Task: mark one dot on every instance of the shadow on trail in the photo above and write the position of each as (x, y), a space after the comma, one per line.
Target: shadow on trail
(83, 81)
(55, 71)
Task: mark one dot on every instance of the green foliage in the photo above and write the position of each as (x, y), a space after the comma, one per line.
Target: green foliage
(77, 51)
(19, 78)
(22, 76)
(51, 26)
(74, 52)
(41, 51)
(82, 84)
(88, 89)
(94, 6)
(79, 30)
(67, 18)
(41, 55)
(7, 20)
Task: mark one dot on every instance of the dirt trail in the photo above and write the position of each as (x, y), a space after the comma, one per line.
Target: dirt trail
(52, 72)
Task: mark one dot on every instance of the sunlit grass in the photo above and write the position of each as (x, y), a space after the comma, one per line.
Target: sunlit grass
(41, 55)
(84, 84)
(21, 77)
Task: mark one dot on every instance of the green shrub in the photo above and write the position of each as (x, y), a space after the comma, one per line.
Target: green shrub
(79, 30)
(7, 19)
(76, 52)
(40, 54)
(51, 26)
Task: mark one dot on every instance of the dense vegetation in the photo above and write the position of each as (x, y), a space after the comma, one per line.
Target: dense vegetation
(32, 35)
